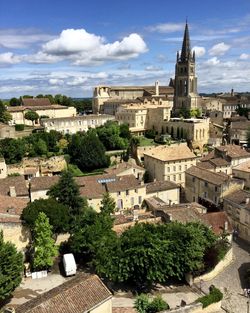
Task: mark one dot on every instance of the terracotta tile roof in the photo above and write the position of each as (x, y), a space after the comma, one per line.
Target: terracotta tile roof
(80, 294)
(15, 181)
(12, 205)
(36, 102)
(206, 165)
(219, 162)
(217, 221)
(43, 183)
(90, 186)
(239, 197)
(244, 167)
(207, 157)
(240, 125)
(121, 167)
(160, 186)
(170, 153)
(233, 151)
(206, 175)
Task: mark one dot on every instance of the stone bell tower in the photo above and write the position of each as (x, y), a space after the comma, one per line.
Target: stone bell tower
(185, 95)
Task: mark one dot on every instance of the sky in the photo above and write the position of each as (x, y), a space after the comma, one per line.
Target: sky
(69, 47)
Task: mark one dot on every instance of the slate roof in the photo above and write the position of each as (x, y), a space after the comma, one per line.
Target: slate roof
(239, 197)
(16, 181)
(206, 175)
(80, 294)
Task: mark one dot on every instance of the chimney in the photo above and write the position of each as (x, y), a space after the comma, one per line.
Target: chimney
(12, 191)
(226, 226)
(170, 217)
(157, 88)
(247, 200)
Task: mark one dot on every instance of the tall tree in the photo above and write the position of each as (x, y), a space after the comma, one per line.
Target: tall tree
(107, 204)
(11, 268)
(5, 116)
(66, 191)
(57, 213)
(44, 245)
(15, 102)
(87, 152)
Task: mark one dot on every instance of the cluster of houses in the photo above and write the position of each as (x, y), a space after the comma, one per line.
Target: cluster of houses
(210, 188)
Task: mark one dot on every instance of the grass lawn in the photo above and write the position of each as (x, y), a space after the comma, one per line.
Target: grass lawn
(146, 141)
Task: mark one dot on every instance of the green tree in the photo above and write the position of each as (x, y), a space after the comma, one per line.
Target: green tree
(5, 116)
(13, 150)
(66, 191)
(11, 268)
(107, 204)
(15, 102)
(57, 213)
(40, 147)
(44, 245)
(31, 116)
(141, 303)
(87, 152)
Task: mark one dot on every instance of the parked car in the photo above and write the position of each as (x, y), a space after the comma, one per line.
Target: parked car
(69, 264)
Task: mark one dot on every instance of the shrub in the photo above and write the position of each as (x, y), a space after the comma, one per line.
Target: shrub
(19, 127)
(144, 305)
(215, 295)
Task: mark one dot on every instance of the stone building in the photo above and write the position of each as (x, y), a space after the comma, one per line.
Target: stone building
(185, 82)
(42, 107)
(237, 130)
(6, 131)
(74, 124)
(14, 186)
(237, 206)
(209, 188)
(169, 162)
(127, 191)
(194, 130)
(107, 99)
(242, 171)
(126, 168)
(224, 158)
(3, 168)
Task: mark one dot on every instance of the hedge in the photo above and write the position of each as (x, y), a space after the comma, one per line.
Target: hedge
(19, 127)
(215, 295)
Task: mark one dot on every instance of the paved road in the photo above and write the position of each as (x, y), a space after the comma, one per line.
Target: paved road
(231, 280)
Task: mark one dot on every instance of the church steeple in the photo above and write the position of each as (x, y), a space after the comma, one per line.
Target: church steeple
(186, 49)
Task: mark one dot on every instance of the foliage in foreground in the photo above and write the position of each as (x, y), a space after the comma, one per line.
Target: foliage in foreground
(11, 268)
(44, 245)
(143, 304)
(215, 295)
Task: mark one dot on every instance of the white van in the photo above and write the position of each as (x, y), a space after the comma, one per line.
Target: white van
(69, 264)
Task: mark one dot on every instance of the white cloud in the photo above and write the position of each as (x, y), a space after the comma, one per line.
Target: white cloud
(166, 27)
(244, 56)
(219, 49)
(55, 81)
(199, 51)
(8, 58)
(42, 58)
(212, 61)
(73, 41)
(21, 38)
(152, 68)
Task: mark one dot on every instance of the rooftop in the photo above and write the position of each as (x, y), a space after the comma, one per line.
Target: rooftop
(244, 167)
(36, 102)
(217, 221)
(206, 175)
(239, 197)
(160, 186)
(80, 294)
(233, 151)
(14, 181)
(170, 153)
(121, 167)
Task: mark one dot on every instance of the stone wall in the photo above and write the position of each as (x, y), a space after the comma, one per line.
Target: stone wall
(196, 308)
(17, 234)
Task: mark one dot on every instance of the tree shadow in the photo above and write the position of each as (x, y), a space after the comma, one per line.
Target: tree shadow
(243, 244)
(242, 274)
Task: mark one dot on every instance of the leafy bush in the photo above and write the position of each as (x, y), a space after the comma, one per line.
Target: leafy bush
(19, 127)
(150, 133)
(144, 305)
(215, 295)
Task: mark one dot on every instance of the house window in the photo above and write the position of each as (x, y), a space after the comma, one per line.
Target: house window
(132, 200)
(118, 193)
(127, 192)
(174, 169)
(174, 178)
(136, 190)
(215, 188)
(179, 176)
(168, 169)
(186, 167)
(193, 179)
(193, 198)
(205, 184)
(179, 167)
(205, 194)
(139, 199)
(215, 199)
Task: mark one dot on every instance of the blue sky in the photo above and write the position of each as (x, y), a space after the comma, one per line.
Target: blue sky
(69, 47)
